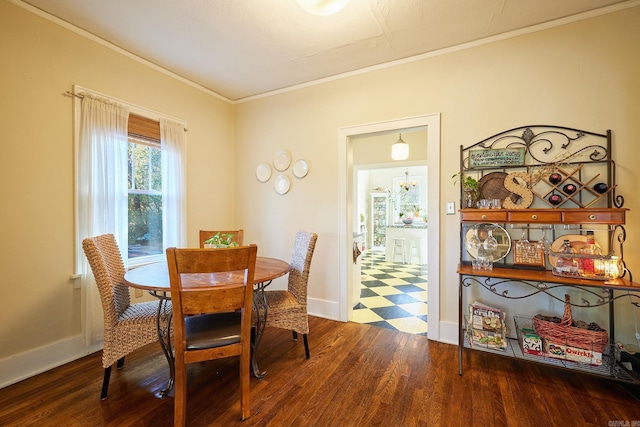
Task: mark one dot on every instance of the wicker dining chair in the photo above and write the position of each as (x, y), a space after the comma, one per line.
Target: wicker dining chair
(288, 309)
(211, 320)
(127, 326)
(238, 235)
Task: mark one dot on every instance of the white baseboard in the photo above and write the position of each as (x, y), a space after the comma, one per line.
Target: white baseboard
(448, 332)
(323, 308)
(24, 365)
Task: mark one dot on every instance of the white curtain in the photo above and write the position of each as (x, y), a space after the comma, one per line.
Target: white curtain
(174, 219)
(102, 193)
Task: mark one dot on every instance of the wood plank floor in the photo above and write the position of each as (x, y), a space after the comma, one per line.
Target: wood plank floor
(358, 375)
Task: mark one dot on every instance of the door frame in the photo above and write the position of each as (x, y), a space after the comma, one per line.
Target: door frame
(346, 209)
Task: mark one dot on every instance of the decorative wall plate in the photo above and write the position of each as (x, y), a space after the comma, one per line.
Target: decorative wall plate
(282, 184)
(282, 160)
(300, 168)
(263, 172)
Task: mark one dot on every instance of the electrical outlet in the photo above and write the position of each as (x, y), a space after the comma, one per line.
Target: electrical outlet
(451, 208)
(138, 293)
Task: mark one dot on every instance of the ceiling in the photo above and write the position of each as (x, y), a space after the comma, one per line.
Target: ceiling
(243, 48)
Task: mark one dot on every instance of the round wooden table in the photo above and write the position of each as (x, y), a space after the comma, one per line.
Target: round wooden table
(154, 278)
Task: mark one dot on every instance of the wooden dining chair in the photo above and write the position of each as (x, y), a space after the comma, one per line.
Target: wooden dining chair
(238, 235)
(288, 309)
(127, 326)
(211, 319)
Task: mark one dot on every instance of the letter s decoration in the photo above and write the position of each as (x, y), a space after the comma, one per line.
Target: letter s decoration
(517, 183)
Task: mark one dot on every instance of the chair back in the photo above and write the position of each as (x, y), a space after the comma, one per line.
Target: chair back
(107, 267)
(210, 281)
(303, 248)
(238, 235)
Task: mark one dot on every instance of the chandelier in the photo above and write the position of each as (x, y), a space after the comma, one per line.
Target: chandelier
(406, 184)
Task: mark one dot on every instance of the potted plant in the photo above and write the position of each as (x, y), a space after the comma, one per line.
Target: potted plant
(471, 188)
(220, 241)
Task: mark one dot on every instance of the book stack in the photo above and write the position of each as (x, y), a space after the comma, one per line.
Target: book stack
(487, 327)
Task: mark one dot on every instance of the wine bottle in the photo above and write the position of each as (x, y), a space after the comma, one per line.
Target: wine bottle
(555, 199)
(587, 265)
(555, 178)
(600, 187)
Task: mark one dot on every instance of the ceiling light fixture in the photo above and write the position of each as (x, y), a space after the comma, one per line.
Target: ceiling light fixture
(400, 150)
(322, 7)
(406, 185)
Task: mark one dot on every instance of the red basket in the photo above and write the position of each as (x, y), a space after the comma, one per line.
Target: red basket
(564, 333)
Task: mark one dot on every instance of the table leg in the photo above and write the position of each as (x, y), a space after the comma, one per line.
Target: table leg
(260, 305)
(164, 337)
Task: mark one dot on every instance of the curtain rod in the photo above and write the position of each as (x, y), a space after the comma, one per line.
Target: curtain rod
(77, 95)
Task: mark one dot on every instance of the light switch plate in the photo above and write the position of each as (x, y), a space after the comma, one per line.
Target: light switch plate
(451, 208)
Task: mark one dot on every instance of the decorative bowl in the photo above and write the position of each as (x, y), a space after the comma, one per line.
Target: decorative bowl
(407, 221)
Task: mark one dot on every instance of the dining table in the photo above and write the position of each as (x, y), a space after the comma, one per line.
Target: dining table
(154, 278)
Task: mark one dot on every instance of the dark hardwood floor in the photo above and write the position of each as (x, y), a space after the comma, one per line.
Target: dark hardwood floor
(358, 375)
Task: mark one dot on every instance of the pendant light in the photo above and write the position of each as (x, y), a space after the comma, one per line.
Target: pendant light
(400, 150)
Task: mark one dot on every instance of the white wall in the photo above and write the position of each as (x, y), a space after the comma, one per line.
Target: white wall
(40, 319)
(582, 75)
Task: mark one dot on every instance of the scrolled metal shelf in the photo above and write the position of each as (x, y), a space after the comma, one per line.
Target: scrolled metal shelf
(602, 296)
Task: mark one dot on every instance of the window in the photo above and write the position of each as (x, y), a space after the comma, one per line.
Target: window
(408, 198)
(144, 177)
(130, 182)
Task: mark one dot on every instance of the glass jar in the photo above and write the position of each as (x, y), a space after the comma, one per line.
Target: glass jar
(566, 265)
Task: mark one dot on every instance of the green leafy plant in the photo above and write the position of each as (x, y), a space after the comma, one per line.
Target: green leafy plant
(468, 184)
(221, 241)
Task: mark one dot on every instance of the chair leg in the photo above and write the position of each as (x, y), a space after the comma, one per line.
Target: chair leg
(295, 335)
(180, 396)
(105, 383)
(306, 345)
(120, 363)
(245, 384)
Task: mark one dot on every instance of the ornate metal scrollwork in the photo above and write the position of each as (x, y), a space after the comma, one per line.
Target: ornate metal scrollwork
(501, 287)
(544, 147)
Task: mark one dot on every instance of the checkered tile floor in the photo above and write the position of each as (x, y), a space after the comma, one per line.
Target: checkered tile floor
(394, 295)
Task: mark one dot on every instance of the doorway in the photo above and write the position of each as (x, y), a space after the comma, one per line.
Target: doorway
(348, 221)
(389, 284)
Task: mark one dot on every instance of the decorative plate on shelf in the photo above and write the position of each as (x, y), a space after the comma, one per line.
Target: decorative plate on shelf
(263, 172)
(282, 184)
(476, 235)
(300, 168)
(576, 241)
(282, 160)
(491, 186)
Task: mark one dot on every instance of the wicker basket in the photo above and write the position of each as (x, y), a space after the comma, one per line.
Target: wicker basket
(566, 334)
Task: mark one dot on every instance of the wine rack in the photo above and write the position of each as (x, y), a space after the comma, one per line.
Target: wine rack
(584, 194)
